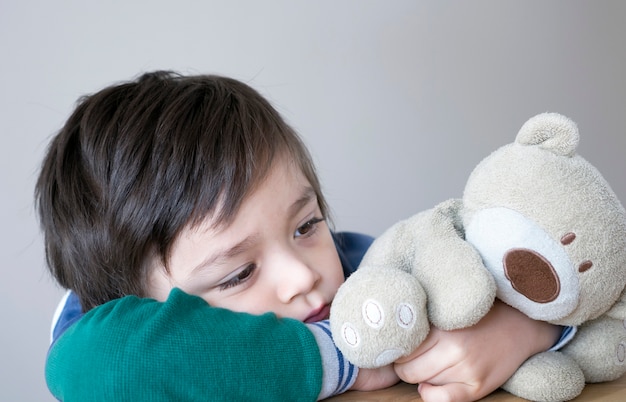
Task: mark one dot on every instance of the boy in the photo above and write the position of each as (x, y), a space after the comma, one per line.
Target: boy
(181, 211)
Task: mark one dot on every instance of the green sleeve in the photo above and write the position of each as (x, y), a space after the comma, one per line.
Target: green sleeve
(135, 349)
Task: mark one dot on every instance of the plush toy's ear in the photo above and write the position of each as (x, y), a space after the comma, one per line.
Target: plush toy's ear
(550, 131)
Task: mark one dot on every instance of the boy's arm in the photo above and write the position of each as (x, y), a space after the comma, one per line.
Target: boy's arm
(183, 349)
(339, 374)
(106, 327)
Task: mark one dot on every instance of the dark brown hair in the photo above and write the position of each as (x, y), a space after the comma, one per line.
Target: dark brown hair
(138, 161)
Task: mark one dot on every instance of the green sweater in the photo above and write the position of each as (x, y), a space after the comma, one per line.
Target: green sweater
(134, 349)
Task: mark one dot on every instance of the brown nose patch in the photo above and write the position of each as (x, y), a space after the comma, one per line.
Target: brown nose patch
(531, 275)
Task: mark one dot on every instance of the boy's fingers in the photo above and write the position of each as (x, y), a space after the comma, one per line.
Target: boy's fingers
(420, 365)
(428, 367)
(429, 361)
(431, 340)
(457, 392)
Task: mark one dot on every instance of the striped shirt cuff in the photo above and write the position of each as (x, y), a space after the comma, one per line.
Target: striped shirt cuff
(339, 373)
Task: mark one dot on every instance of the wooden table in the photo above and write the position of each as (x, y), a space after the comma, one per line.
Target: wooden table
(614, 391)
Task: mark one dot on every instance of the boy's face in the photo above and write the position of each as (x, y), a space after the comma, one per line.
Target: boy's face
(277, 255)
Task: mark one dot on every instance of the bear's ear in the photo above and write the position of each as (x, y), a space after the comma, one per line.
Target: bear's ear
(550, 131)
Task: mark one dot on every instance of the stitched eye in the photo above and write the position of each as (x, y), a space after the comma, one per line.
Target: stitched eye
(567, 239)
(585, 266)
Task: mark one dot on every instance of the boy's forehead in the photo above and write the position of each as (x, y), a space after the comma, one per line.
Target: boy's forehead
(284, 179)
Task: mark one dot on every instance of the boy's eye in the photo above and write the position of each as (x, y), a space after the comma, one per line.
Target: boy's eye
(240, 278)
(308, 228)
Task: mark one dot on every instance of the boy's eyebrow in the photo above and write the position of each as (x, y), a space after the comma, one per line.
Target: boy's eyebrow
(307, 196)
(227, 253)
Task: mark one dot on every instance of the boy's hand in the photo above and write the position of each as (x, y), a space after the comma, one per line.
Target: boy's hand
(467, 364)
(373, 379)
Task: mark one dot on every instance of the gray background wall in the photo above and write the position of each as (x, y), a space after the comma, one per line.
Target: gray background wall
(398, 101)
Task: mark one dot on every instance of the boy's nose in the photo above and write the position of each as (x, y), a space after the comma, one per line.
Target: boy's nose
(295, 278)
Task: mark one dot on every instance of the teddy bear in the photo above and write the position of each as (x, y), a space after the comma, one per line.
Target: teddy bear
(539, 228)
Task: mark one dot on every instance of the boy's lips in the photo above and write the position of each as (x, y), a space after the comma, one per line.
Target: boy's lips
(319, 314)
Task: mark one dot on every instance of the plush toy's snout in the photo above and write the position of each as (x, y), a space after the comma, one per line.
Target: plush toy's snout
(533, 270)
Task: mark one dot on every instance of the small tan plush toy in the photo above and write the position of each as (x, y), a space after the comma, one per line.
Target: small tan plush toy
(539, 228)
